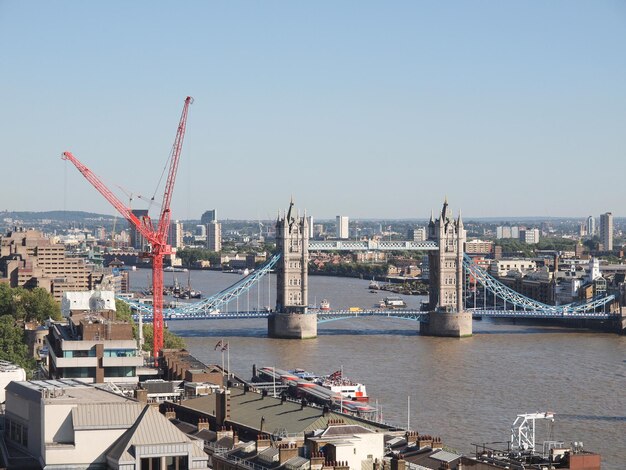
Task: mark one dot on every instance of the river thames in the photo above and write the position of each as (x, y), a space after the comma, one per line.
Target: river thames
(464, 390)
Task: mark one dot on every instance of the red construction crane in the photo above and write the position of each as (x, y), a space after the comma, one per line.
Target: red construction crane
(156, 237)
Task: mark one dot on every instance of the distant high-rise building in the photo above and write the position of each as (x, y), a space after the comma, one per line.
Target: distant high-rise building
(342, 226)
(137, 240)
(530, 235)
(318, 230)
(201, 230)
(214, 236)
(591, 226)
(606, 231)
(310, 224)
(175, 237)
(208, 217)
(417, 234)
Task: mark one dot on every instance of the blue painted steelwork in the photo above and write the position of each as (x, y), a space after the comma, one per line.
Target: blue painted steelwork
(527, 304)
(528, 308)
(542, 314)
(403, 314)
(211, 305)
(322, 317)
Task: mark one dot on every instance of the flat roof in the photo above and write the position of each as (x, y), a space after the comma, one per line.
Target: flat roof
(65, 390)
(250, 408)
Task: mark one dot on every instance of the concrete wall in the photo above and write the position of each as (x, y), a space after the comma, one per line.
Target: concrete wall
(455, 325)
(292, 325)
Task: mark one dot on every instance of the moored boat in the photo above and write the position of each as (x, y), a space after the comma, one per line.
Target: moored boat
(325, 305)
(392, 302)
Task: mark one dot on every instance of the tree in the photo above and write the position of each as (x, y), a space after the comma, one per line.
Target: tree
(13, 345)
(122, 311)
(170, 340)
(28, 304)
(39, 305)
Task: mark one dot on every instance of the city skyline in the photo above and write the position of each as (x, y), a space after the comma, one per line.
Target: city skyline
(361, 109)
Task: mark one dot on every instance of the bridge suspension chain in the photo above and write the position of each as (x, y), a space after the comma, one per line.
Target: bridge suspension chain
(215, 302)
(507, 294)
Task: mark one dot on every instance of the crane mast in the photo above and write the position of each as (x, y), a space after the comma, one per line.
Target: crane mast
(156, 237)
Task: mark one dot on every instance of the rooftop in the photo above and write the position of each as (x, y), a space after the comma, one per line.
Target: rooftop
(64, 391)
(253, 411)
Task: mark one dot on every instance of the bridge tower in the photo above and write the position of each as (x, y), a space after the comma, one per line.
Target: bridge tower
(446, 309)
(291, 319)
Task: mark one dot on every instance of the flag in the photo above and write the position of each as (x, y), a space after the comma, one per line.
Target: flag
(225, 347)
(218, 345)
(336, 374)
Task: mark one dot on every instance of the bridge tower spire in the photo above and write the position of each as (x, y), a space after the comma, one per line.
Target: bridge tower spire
(447, 316)
(291, 319)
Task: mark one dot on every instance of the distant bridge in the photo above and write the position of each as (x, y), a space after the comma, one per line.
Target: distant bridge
(514, 304)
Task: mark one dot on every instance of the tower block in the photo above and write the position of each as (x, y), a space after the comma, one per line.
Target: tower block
(446, 310)
(291, 319)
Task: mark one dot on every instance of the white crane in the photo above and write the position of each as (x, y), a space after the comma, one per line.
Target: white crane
(523, 430)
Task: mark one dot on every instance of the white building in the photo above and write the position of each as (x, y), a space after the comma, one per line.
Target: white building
(530, 235)
(68, 424)
(503, 266)
(349, 443)
(87, 301)
(591, 226)
(214, 236)
(342, 227)
(9, 373)
(175, 237)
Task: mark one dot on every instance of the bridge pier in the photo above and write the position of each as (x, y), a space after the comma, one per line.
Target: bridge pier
(447, 324)
(620, 322)
(292, 325)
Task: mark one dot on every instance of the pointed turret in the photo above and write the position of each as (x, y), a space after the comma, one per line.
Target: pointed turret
(444, 210)
(459, 221)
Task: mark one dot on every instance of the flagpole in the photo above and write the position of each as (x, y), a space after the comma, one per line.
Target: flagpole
(408, 413)
(228, 358)
(222, 357)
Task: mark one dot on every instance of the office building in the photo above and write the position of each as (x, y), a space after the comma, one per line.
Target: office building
(214, 236)
(92, 345)
(208, 217)
(606, 231)
(137, 240)
(591, 226)
(417, 234)
(310, 224)
(530, 235)
(342, 227)
(28, 259)
(175, 237)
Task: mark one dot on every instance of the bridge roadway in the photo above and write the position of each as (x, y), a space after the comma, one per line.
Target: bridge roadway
(405, 314)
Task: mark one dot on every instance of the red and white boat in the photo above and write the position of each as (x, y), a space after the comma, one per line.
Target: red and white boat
(337, 383)
(325, 305)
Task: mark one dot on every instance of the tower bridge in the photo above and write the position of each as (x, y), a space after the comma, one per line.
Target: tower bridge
(446, 314)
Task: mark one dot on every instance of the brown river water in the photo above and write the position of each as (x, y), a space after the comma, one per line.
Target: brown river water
(464, 390)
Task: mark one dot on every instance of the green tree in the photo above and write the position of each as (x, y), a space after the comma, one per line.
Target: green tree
(170, 340)
(122, 311)
(38, 305)
(13, 345)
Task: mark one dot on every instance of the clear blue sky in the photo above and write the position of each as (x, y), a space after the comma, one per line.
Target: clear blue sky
(366, 109)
